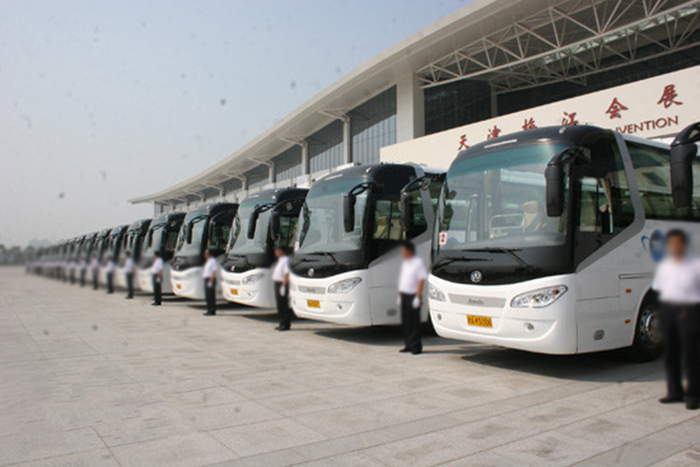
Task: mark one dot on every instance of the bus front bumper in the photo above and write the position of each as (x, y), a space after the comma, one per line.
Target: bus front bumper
(484, 314)
(252, 288)
(188, 283)
(310, 299)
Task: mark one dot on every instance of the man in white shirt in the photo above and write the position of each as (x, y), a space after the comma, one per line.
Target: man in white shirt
(411, 281)
(209, 276)
(157, 274)
(280, 277)
(129, 268)
(110, 275)
(677, 281)
(95, 269)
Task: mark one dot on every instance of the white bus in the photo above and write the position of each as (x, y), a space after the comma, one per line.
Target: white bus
(161, 238)
(133, 239)
(88, 248)
(543, 241)
(206, 226)
(262, 220)
(112, 250)
(346, 264)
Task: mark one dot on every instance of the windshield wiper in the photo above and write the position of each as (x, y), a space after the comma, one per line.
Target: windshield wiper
(326, 254)
(454, 259)
(508, 251)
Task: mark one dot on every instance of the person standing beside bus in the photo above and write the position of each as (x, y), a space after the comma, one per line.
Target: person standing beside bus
(110, 275)
(280, 277)
(411, 280)
(677, 281)
(129, 267)
(209, 275)
(95, 269)
(157, 275)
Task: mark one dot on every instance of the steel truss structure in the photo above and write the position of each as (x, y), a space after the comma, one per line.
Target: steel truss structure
(569, 41)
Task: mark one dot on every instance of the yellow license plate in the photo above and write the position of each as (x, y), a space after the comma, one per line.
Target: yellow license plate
(179, 286)
(481, 321)
(234, 291)
(313, 303)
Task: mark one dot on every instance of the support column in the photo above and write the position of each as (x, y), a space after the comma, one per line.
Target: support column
(271, 172)
(410, 108)
(347, 139)
(494, 101)
(305, 166)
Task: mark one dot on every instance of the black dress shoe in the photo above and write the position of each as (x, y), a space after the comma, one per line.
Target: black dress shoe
(209, 314)
(417, 351)
(404, 350)
(692, 405)
(155, 304)
(281, 328)
(670, 399)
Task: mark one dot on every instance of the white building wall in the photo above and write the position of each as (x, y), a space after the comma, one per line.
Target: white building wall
(637, 108)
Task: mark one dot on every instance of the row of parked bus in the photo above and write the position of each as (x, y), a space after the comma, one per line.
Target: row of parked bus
(543, 240)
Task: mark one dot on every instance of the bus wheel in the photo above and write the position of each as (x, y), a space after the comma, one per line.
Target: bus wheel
(647, 335)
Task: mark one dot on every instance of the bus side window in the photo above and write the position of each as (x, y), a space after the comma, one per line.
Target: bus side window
(653, 174)
(604, 207)
(387, 220)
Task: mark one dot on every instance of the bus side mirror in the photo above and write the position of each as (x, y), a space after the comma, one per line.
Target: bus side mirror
(188, 233)
(275, 225)
(554, 190)
(406, 209)
(349, 212)
(683, 151)
(252, 223)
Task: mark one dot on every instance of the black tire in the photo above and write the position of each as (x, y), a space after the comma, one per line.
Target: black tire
(647, 333)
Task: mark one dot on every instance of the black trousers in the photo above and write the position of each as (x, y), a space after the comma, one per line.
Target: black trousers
(283, 310)
(130, 284)
(157, 289)
(95, 283)
(210, 295)
(680, 326)
(82, 278)
(110, 282)
(410, 322)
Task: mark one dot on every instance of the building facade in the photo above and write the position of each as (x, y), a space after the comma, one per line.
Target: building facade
(494, 66)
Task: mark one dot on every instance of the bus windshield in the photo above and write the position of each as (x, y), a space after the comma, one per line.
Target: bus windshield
(497, 199)
(191, 245)
(321, 227)
(239, 243)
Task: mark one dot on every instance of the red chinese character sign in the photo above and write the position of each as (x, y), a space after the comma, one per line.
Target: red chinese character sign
(615, 108)
(493, 132)
(463, 142)
(569, 119)
(668, 98)
(529, 124)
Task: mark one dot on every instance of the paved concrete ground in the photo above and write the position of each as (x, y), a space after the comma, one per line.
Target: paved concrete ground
(91, 379)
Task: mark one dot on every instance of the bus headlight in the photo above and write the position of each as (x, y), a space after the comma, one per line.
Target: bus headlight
(344, 286)
(436, 294)
(539, 298)
(252, 279)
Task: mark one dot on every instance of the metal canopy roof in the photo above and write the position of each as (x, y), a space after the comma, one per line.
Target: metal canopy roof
(513, 44)
(569, 40)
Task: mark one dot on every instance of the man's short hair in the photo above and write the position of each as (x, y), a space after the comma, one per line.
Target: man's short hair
(409, 246)
(678, 233)
(157, 253)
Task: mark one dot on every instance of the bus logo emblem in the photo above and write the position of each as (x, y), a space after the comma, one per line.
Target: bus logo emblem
(310, 272)
(476, 276)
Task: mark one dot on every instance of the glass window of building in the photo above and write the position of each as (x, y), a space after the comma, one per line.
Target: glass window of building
(326, 147)
(288, 164)
(373, 126)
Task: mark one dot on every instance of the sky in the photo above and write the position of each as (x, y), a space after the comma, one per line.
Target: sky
(102, 101)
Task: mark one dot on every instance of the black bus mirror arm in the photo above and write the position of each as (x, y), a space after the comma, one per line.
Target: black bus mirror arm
(683, 151)
(349, 200)
(555, 178)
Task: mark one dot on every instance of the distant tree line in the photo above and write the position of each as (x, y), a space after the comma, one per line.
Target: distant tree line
(15, 255)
